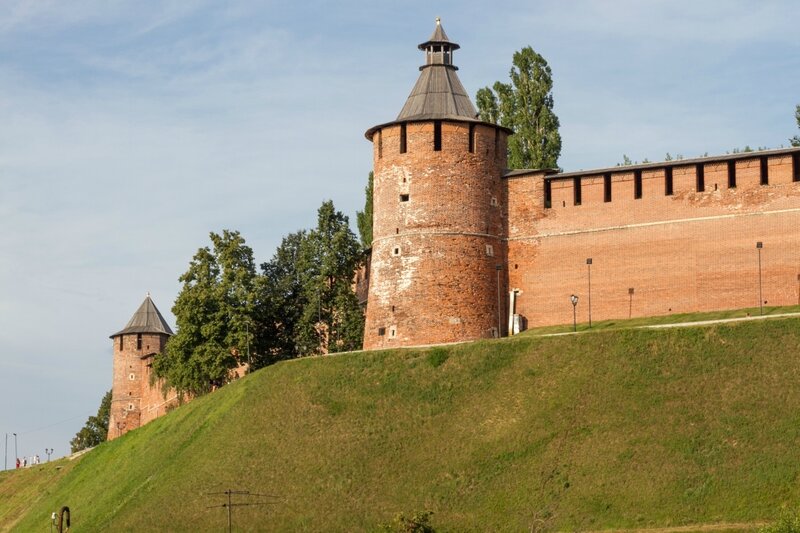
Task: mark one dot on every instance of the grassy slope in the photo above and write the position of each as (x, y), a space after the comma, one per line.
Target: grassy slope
(611, 429)
(21, 489)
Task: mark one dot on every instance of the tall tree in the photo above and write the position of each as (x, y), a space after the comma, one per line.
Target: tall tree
(796, 139)
(280, 300)
(332, 320)
(364, 218)
(95, 430)
(526, 106)
(214, 315)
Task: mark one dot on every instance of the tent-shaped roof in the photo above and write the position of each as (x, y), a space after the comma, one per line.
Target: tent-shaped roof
(146, 319)
(438, 94)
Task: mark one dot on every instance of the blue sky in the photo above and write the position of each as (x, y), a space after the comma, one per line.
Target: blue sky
(129, 130)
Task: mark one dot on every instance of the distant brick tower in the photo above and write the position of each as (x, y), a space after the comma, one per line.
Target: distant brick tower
(438, 254)
(134, 401)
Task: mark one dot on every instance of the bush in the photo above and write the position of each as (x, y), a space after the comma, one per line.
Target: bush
(419, 522)
(437, 357)
(789, 522)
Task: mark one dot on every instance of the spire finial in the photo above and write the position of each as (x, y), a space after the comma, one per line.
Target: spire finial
(438, 21)
(148, 294)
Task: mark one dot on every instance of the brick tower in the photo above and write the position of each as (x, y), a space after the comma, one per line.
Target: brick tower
(134, 401)
(438, 253)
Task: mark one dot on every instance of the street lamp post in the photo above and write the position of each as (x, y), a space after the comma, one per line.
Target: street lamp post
(759, 246)
(48, 451)
(498, 268)
(574, 300)
(5, 463)
(630, 302)
(589, 266)
(16, 453)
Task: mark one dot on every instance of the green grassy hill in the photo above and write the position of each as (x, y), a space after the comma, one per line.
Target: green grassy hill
(622, 429)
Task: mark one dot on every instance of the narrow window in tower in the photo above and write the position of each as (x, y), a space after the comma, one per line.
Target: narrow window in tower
(489, 250)
(607, 188)
(138, 341)
(437, 135)
(393, 331)
(131, 376)
(764, 171)
(120, 343)
(472, 138)
(380, 144)
(396, 251)
(381, 332)
(668, 181)
(548, 194)
(731, 174)
(576, 191)
(637, 184)
(404, 197)
(493, 201)
(700, 170)
(796, 167)
(402, 138)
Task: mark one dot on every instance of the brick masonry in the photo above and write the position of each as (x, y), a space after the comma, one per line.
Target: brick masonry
(685, 252)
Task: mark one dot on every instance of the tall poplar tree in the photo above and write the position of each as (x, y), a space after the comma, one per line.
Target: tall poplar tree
(526, 106)
(364, 218)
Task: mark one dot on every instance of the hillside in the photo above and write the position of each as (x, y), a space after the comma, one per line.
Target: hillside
(618, 429)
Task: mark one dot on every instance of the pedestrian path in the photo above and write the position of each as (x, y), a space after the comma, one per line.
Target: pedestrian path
(682, 324)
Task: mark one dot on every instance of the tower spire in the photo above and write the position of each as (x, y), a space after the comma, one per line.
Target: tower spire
(438, 93)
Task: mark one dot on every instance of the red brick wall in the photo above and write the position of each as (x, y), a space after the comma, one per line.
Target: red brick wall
(432, 278)
(692, 251)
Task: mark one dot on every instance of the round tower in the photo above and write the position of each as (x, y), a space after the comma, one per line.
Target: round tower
(438, 253)
(144, 336)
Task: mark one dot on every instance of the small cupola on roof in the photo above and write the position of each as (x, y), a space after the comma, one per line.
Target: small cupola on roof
(438, 93)
(438, 49)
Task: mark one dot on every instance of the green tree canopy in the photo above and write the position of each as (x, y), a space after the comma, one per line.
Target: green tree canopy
(280, 300)
(95, 430)
(364, 218)
(526, 106)
(331, 320)
(214, 313)
(796, 139)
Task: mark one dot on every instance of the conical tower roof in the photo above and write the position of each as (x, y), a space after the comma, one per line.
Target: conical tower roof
(146, 319)
(438, 93)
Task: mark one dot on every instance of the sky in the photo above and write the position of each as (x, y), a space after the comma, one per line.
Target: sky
(130, 130)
